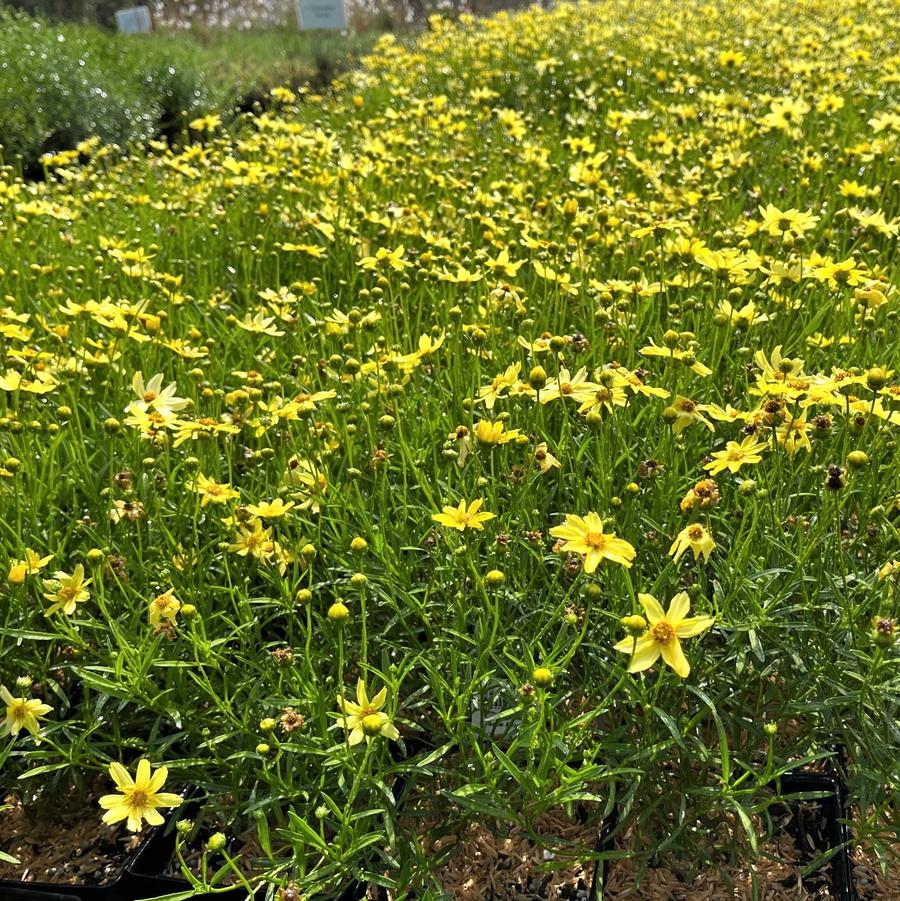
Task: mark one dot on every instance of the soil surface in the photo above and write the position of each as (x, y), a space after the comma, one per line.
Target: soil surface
(62, 841)
(776, 874)
(486, 865)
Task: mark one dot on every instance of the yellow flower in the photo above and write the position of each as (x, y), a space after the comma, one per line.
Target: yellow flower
(67, 591)
(140, 796)
(777, 222)
(21, 713)
(365, 719)
(697, 539)
(736, 455)
(585, 535)
(164, 607)
(662, 637)
(704, 494)
(684, 411)
(213, 492)
(491, 433)
(463, 517)
(153, 396)
(32, 564)
(544, 460)
(271, 509)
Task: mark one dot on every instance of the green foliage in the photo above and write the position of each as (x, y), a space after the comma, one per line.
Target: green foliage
(63, 83)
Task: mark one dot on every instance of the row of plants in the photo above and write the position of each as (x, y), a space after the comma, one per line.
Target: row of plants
(412, 479)
(64, 84)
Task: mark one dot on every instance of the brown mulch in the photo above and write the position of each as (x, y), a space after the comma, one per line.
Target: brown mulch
(62, 841)
(514, 866)
(775, 876)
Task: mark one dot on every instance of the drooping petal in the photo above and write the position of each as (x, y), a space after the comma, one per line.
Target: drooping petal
(674, 656)
(153, 817)
(646, 653)
(592, 560)
(626, 645)
(356, 736)
(652, 608)
(115, 814)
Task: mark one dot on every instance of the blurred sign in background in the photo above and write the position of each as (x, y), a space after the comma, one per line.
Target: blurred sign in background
(249, 14)
(134, 20)
(325, 14)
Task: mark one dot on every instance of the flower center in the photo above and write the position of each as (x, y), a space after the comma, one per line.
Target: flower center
(662, 633)
(150, 396)
(695, 533)
(595, 540)
(138, 799)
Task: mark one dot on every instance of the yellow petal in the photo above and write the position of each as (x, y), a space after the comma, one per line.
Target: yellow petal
(679, 607)
(115, 814)
(158, 779)
(167, 799)
(646, 653)
(154, 817)
(142, 779)
(121, 776)
(652, 608)
(626, 645)
(674, 656)
(688, 628)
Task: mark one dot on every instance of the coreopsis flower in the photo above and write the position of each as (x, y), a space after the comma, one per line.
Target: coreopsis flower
(490, 433)
(392, 258)
(696, 538)
(464, 516)
(365, 719)
(213, 492)
(662, 638)
(567, 385)
(585, 536)
(778, 222)
(153, 396)
(271, 509)
(140, 797)
(163, 608)
(66, 591)
(705, 495)
(544, 460)
(499, 385)
(33, 563)
(307, 481)
(684, 411)
(254, 540)
(21, 713)
(735, 455)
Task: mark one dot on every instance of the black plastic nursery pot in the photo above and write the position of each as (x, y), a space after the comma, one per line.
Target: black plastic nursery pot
(816, 825)
(116, 890)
